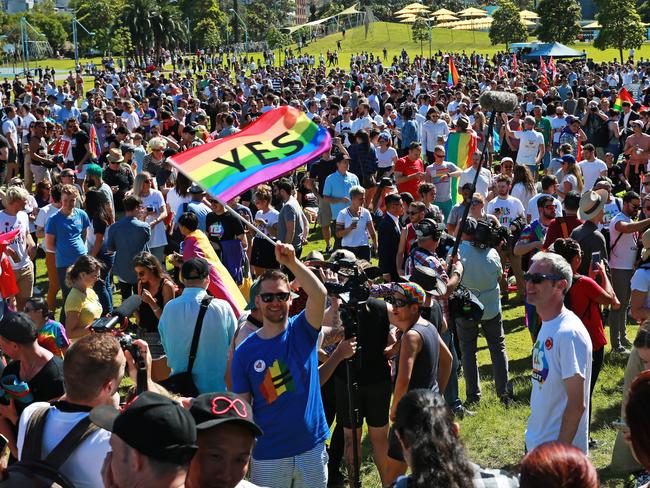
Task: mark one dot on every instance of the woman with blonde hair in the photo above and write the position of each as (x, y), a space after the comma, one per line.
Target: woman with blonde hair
(156, 211)
(570, 176)
(82, 306)
(153, 161)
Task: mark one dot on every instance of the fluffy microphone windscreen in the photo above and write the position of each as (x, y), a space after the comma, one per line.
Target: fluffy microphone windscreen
(498, 101)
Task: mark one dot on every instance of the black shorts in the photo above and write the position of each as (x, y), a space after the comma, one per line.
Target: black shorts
(263, 254)
(373, 402)
(394, 447)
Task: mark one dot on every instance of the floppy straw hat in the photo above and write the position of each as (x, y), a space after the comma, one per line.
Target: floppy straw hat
(591, 203)
(115, 156)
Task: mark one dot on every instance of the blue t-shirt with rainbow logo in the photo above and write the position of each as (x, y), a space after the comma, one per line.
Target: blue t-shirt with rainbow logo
(281, 374)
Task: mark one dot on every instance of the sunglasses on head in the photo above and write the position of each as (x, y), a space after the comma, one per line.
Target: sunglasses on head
(476, 201)
(398, 302)
(280, 297)
(537, 278)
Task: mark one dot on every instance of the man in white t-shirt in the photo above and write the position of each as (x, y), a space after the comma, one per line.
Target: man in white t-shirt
(90, 380)
(549, 187)
(22, 247)
(559, 399)
(591, 167)
(484, 177)
(507, 208)
(640, 301)
(623, 231)
(531, 144)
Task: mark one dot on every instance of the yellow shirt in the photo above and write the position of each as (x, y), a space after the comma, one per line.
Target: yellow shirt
(86, 304)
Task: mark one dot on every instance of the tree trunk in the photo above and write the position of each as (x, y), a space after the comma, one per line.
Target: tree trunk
(620, 53)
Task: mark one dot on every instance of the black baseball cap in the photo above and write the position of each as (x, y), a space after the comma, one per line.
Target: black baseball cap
(154, 425)
(212, 409)
(195, 269)
(428, 228)
(18, 327)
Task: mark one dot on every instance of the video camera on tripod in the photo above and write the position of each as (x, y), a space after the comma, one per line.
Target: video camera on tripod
(117, 323)
(488, 233)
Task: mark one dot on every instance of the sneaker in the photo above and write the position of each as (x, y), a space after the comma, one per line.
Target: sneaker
(620, 350)
(461, 412)
(328, 250)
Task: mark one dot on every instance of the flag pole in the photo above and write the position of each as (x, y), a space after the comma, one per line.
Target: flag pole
(246, 222)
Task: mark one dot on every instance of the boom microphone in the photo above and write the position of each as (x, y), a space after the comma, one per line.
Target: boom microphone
(498, 101)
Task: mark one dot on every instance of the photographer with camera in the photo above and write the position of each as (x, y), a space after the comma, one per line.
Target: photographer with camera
(482, 271)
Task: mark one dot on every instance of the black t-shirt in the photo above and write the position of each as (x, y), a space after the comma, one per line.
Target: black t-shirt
(321, 170)
(79, 141)
(3, 143)
(614, 173)
(224, 227)
(44, 386)
(123, 179)
(374, 326)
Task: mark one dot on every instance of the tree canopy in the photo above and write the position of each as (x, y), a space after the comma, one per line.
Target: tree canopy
(559, 20)
(507, 26)
(621, 26)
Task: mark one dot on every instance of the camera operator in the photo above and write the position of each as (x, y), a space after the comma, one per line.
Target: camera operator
(482, 271)
(371, 372)
(428, 234)
(424, 360)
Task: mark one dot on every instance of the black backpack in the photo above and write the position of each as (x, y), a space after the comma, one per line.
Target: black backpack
(34, 471)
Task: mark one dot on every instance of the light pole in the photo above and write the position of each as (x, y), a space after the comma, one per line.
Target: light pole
(189, 35)
(244, 26)
(75, 22)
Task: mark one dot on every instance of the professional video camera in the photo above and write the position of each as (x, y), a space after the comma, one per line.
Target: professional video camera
(356, 288)
(116, 323)
(488, 233)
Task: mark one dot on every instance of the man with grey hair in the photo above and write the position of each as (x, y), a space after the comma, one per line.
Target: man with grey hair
(22, 247)
(531, 144)
(559, 399)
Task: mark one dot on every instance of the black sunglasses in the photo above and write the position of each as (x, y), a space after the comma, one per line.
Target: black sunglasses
(537, 278)
(476, 201)
(398, 302)
(280, 297)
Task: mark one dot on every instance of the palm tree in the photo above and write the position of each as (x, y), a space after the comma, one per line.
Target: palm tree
(138, 19)
(168, 28)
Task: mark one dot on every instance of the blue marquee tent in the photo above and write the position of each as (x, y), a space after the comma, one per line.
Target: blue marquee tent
(554, 49)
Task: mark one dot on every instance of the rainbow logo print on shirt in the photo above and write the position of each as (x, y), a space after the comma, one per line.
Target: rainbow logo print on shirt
(540, 363)
(277, 380)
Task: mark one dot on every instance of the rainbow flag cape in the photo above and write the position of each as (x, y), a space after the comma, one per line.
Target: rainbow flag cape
(452, 77)
(197, 245)
(275, 144)
(460, 147)
(623, 96)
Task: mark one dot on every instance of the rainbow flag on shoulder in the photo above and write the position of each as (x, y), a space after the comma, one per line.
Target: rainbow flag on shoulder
(460, 147)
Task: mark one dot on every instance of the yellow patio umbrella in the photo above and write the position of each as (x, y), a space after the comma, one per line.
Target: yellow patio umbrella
(472, 12)
(444, 18)
(404, 14)
(442, 11)
(412, 8)
(528, 23)
(527, 14)
(408, 20)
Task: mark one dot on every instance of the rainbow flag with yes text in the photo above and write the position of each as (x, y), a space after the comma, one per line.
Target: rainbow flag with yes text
(275, 144)
(460, 147)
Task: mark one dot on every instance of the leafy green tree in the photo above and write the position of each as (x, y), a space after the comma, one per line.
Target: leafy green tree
(507, 26)
(559, 21)
(277, 40)
(206, 34)
(197, 11)
(420, 31)
(621, 26)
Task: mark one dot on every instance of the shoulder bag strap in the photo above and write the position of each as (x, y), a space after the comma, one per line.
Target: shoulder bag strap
(33, 442)
(64, 449)
(565, 229)
(611, 248)
(197, 332)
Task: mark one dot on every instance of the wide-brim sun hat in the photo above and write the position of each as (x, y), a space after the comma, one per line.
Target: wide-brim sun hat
(591, 203)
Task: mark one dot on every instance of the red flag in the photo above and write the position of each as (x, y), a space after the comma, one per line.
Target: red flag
(542, 66)
(501, 73)
(514, 62)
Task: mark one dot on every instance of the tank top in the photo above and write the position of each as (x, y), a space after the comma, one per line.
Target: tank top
(148, 319)
(425, 367)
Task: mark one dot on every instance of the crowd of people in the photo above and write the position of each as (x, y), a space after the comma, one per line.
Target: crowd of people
(246, 347)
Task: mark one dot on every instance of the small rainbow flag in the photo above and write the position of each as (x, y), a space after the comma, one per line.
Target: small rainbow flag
(275, 144)
(452, 77)
(460, 147)
(623, 96)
